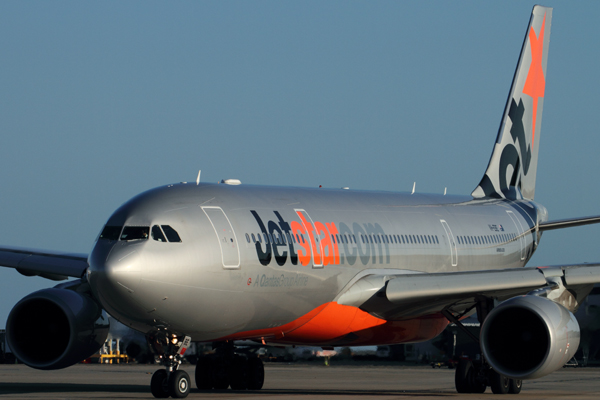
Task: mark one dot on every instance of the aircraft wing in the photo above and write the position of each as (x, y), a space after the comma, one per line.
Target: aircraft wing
(403, 296)
(52, 265)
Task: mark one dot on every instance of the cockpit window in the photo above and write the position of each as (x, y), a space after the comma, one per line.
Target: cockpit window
(111, 232)
(157, 234)
(135, 233)
(172, 235)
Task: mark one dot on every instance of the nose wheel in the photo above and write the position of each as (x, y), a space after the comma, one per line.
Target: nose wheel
(171, 381)
(177, 385)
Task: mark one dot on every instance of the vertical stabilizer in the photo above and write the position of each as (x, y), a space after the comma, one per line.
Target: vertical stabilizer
(512, 169)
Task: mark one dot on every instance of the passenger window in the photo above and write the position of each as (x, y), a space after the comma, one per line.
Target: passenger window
(157, 234)
(346, 238)
(253, 238)
(135, 233)
(172, 235)
(259, 238)
(111, 232)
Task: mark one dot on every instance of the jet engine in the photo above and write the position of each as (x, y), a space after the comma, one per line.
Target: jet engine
(56, 328)
(528, 337)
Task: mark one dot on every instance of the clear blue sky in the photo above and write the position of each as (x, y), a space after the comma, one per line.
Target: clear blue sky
(102, 100)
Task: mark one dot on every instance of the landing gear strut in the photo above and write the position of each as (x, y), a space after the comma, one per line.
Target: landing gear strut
(476, 376)
(169, 381)
(226, 369)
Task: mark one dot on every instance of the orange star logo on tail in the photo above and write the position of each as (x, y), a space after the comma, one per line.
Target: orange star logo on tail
(535, 82)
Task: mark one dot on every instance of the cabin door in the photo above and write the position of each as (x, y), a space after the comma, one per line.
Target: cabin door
(230, 252)
(520, 232)
(451, 242)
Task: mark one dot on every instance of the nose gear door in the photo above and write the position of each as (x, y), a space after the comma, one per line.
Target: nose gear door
(230, 251)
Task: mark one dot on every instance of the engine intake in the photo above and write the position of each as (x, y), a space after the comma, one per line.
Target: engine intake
(56, 328)
(528, 337)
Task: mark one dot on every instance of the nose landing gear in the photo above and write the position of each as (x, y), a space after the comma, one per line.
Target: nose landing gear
(169, 381)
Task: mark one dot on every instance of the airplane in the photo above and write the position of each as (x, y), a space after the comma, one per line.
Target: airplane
(322, 267)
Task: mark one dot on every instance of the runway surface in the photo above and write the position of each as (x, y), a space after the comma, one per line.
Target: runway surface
(285, 381)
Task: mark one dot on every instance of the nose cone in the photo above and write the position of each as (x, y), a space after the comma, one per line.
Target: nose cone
(114, 274)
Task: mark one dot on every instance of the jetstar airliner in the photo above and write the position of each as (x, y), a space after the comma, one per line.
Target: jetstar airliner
(322, 267)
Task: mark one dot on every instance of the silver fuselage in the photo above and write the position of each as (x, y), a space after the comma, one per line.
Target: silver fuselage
(220, 281)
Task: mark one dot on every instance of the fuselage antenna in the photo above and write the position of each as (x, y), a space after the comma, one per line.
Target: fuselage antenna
(445, 190)
(414, 185)
(198, 178)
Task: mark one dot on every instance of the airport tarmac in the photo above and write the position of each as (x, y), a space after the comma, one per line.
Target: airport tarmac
(285, 381)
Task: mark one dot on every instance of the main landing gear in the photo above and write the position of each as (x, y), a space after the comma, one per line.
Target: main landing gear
(169, 381)
(226, 369)
(476, 376)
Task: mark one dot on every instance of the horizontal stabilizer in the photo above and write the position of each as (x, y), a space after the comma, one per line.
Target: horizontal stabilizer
(568, 223)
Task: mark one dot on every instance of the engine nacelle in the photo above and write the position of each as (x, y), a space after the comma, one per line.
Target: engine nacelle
(528, 337)
(56, 328)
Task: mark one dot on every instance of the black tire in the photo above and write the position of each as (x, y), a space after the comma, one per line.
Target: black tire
(465, 378)
(203, 375)
(256, 374)
(179, 384)
(238, 378)
(515, 386)
(159, 384)
(220, 373)
(461, 376)
(499, 383)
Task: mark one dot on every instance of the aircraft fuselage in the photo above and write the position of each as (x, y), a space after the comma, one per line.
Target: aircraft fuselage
(260, 262)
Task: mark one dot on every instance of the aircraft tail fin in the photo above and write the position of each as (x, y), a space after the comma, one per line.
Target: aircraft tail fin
(512, 168)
